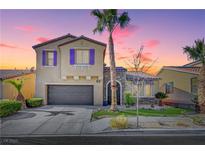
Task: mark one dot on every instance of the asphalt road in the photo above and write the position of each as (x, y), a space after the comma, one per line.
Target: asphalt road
(176, 139)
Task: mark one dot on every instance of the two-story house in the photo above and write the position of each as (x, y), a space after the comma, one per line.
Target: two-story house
(69, 71)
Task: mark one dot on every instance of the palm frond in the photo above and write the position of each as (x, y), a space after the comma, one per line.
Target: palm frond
(197, 51)
(124, 19)
(18, 84)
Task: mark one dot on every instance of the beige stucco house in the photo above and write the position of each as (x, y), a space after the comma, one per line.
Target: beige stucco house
(180, 82)
(69, 70)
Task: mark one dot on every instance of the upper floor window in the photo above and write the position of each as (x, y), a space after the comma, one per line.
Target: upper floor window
(82, 56)
(49, 58)
(169, 87)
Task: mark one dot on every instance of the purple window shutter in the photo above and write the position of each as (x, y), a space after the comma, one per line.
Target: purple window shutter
(92, 57)
(44, 58)
(54, 57)
(72, 56)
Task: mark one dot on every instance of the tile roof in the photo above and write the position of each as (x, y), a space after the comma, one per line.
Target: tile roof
(6, 74)
(85, 38)
(75, 38)
(53, 40)
(118, 69)
(192, 70)
(141, 75)
(192, 63)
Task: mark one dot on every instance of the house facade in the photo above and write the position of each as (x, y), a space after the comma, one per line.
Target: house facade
(70, 71)
(180, 82)
(7, 91)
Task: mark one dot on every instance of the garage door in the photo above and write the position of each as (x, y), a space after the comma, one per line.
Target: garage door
(70, 95)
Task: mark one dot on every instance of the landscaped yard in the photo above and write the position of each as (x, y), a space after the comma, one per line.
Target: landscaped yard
(169, 111)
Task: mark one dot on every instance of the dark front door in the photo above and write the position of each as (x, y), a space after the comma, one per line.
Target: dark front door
(70, 95)
(110, 94)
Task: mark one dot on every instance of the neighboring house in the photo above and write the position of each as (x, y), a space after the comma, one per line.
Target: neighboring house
(7, 91)
(126, 82)
(70, 71)
(180, 82)
(147, 84)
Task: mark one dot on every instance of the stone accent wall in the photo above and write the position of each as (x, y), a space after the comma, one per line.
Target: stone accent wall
(121, 77)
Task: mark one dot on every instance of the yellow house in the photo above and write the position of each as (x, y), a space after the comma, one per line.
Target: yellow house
(179, 82)
(7, 91)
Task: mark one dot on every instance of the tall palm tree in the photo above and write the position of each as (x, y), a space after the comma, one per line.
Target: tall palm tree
(197, 52)
(18, 84)
(108, 20)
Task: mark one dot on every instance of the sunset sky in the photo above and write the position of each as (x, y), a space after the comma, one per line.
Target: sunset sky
(162, 32)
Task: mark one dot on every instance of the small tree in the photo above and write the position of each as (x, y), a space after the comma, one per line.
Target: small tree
(18, 84)
(137, 63)
(160, 96)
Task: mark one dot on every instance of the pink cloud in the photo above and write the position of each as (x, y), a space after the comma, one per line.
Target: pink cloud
(42, 39)
(122, 57)
(151, 43)
(127, 31)
(120, 42)
(146, 57)
(26, 28)
(4, 45)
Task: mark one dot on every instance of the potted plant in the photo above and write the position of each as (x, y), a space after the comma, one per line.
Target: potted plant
(160, 96)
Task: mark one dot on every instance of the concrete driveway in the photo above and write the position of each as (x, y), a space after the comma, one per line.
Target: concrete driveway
(48, 120)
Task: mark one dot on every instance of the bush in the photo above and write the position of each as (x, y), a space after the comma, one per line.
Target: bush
(119, 122)
(161, 95)
(34, 102)
(8, 107)
(129, 100)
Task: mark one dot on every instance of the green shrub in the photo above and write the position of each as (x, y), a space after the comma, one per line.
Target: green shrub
(161, 95)
(129, 100)
(120, 122)
(34, 102)
(8, 107)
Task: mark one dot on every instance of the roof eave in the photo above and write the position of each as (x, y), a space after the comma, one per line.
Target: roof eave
(53, 40)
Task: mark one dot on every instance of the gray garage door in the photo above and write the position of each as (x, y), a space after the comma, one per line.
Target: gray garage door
(70, 95)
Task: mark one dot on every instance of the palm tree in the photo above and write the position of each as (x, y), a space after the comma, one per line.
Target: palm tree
(108, 20)
(197, 52)
(18, 84)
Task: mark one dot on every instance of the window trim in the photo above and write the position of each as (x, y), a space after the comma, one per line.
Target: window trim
(49, 50)
(172, 91)
(82, 64)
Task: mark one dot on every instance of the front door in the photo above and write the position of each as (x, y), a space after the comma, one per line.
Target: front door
(110, 94)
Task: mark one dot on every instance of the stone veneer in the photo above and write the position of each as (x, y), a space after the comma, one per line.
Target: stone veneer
(121, 77)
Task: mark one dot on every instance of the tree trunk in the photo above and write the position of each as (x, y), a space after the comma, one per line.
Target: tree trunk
(112, 74)
(21, 98)
(201, 89)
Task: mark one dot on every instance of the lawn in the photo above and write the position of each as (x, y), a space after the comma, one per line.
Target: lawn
(170, 111)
